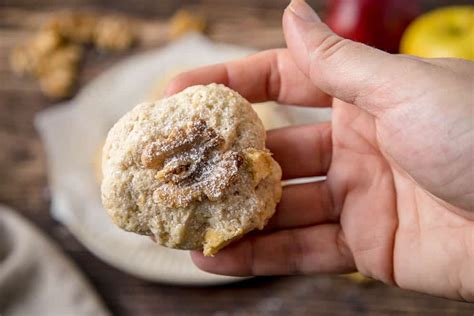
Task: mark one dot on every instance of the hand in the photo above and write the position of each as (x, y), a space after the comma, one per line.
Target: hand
(398, 201)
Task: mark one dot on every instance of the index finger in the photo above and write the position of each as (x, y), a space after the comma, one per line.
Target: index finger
(269, 75)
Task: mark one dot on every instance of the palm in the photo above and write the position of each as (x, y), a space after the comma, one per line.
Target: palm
(369, 214)
(396, 231)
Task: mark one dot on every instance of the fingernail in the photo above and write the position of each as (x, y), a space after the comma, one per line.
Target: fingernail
(301, 9)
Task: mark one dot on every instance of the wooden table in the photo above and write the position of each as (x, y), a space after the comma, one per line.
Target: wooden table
(24, 184)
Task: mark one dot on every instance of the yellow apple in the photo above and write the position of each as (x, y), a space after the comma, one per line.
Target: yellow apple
(444, 32)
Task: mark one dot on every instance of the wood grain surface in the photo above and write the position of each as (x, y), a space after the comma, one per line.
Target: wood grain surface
(24, 183)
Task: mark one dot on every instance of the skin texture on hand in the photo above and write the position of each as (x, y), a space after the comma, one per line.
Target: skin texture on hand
(398, 201)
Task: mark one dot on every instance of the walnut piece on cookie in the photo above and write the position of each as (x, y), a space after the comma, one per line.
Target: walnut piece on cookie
(191, 170)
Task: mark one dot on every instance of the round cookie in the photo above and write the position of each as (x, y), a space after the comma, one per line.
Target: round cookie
(191, 169)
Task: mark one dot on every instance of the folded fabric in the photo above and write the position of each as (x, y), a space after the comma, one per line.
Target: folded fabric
(36, 278)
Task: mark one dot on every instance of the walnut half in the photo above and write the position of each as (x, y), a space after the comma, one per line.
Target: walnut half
(191, 165)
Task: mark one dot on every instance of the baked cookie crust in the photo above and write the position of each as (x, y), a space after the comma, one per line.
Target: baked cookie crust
(191, 170)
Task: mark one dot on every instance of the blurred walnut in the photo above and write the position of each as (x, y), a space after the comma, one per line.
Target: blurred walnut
(26, 58)
(45, 42)
(74, 26)
(58, 83)
(58, 72)
(55, 68)
(67, 56)
(113, 33)
(184, 21)
(54, 53)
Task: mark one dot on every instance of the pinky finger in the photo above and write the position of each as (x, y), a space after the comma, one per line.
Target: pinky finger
(313, 249)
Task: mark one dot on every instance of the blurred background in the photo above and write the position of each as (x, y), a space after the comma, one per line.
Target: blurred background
(50, 49)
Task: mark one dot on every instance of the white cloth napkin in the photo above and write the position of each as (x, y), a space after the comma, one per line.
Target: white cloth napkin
(36, 278)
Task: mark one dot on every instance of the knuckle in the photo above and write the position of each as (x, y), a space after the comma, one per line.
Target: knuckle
(294, 253)
(343, 249)
(329, 46)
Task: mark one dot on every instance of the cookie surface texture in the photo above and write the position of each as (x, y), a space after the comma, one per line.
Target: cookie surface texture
(191, 170)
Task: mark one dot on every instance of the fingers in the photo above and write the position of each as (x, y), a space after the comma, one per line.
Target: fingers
(269, 75)
(302, 151)
(350, 71)
(305, 250)
(303, 205)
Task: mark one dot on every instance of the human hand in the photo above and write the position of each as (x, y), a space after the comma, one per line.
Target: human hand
(397, 204)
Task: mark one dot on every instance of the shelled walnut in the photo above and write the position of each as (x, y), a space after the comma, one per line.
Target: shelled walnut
(113, 34)
(184, 21)
(77, 27)
(54, 53)
(191, 165)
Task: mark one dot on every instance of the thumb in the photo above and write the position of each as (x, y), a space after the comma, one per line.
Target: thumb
(350, 71)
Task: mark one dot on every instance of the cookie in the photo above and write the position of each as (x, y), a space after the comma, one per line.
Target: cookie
(191, 170)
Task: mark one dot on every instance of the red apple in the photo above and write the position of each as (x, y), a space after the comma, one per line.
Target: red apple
(379, 23)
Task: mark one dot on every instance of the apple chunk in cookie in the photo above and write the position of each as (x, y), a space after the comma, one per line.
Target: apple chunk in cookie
(191, 170)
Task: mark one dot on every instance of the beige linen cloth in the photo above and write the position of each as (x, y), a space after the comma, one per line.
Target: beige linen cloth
(36, 278)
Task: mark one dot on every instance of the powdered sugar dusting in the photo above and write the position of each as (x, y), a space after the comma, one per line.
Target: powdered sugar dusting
(189, 171)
